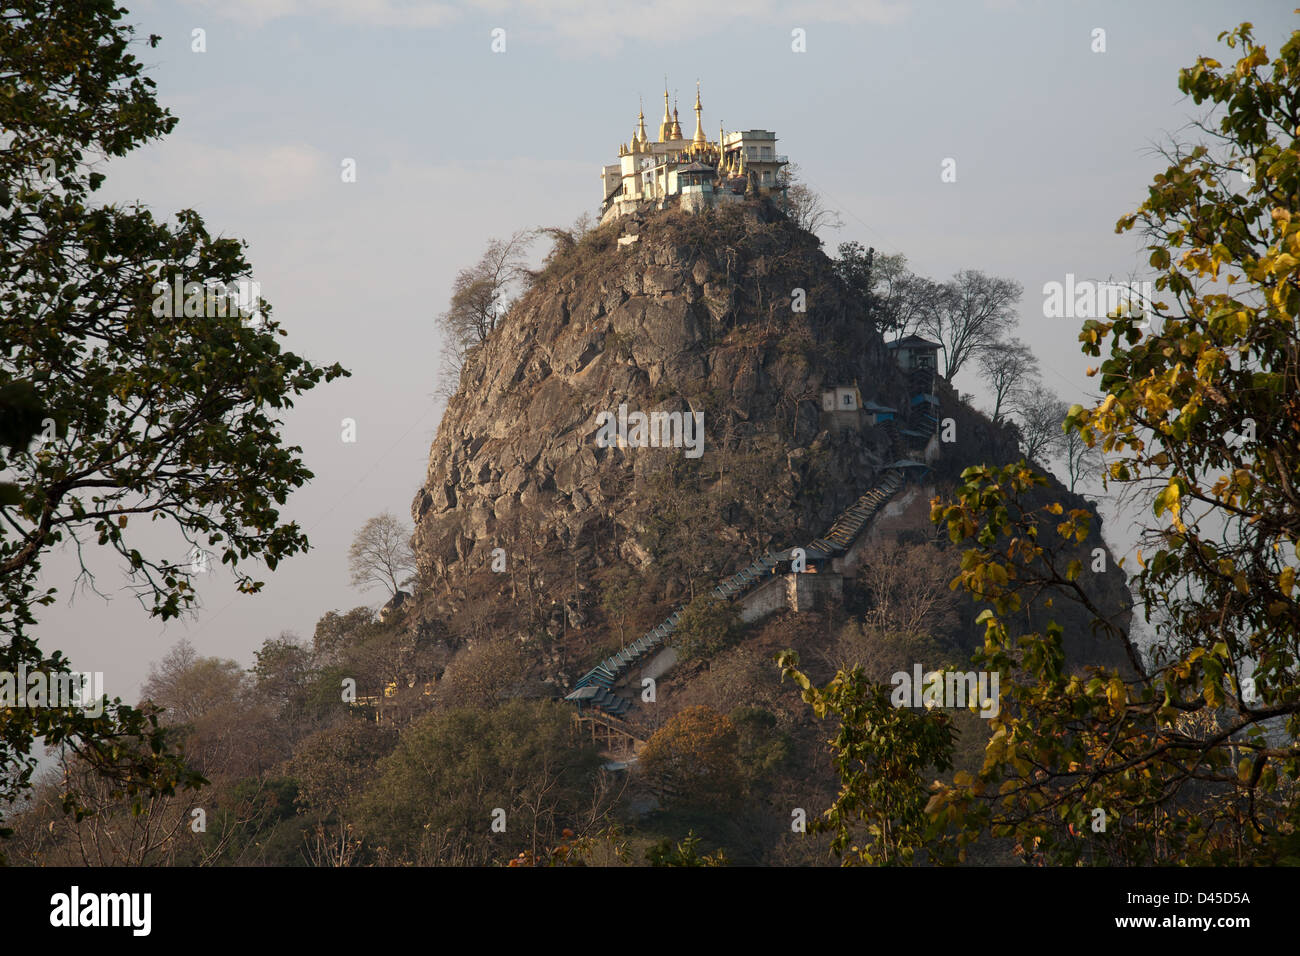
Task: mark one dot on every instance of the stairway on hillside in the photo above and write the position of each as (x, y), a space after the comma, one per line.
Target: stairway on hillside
(895, 440)
(920, 381)
(852, 520)
(599, 689)
(922, 412)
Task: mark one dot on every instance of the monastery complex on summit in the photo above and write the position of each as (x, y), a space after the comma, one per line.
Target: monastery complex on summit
(699, 171)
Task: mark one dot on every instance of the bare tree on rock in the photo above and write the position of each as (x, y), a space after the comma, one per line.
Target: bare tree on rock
(1081, 461)
(1041, 415)
(892, 297)
(480, 299)
(1008, 367)
(905, 296)
(381, 554)
(804, 206)
(970, 313)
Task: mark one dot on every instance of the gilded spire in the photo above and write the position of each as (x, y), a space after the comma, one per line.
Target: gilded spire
(666, 127)
(641, 136)
(699, 139)
(677, 127)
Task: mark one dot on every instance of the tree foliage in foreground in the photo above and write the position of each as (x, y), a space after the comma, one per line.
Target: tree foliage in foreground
(454, 774)
(692, 759)
(882, 755)
(1192, 757)
(172, 416)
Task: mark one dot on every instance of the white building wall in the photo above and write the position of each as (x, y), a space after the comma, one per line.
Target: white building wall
(767, 598)
(658, 181)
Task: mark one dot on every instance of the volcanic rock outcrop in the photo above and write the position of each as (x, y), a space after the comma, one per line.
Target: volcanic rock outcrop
(694, 316)
(735, 313)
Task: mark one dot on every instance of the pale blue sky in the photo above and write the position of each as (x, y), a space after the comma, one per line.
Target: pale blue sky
(456, 144)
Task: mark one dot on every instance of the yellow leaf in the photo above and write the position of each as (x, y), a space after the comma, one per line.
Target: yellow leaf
(1116, 693)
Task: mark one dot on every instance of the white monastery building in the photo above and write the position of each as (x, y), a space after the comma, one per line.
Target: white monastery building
(699, 171)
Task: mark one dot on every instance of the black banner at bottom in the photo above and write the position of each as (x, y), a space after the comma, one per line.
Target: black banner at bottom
(522, 907)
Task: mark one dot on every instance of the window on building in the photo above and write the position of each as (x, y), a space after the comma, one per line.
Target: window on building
(848, 400)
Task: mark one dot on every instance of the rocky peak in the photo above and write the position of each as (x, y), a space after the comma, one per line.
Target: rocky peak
(697, 315)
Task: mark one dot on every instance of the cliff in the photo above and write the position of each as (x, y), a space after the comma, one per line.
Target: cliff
(735, 315)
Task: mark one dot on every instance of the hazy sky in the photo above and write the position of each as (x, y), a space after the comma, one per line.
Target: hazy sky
(456, 144)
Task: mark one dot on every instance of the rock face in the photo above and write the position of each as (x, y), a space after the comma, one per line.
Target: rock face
(701, 314)
(696, 316)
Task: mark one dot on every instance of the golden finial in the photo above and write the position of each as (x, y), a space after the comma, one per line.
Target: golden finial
(700, 138)
(666, 126)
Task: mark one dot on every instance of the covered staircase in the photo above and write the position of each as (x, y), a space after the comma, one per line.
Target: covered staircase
(598, 690)
(850, 523)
